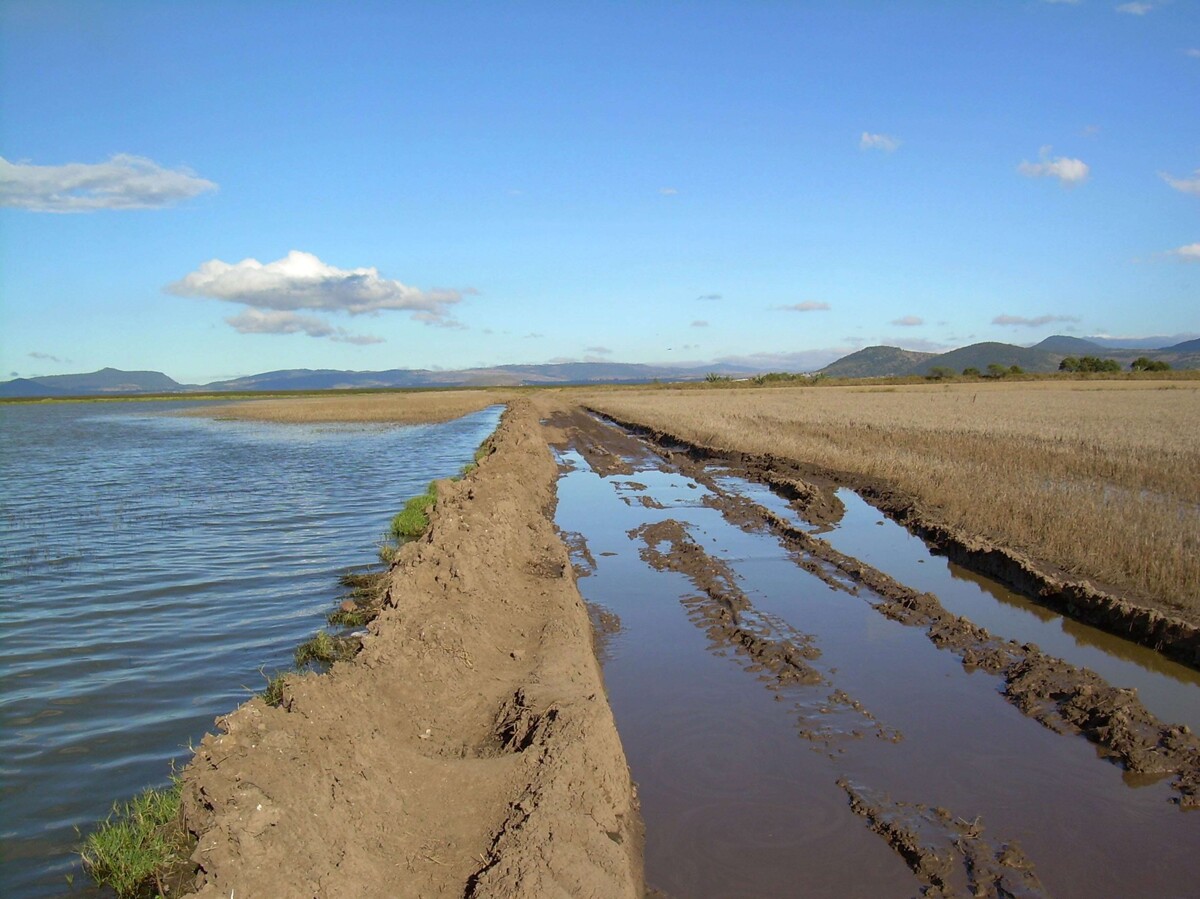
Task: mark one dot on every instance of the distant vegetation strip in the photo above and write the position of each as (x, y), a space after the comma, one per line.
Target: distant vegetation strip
(408, 407)
(1101, 478)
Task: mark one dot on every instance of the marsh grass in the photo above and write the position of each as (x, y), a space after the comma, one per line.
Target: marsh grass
(142, 848)
(400, 407)
(413, 520)
(1101, 478)
(322, 649)
(272, 694)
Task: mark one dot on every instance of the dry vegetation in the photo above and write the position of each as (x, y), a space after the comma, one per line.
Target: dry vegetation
(1099, 478)
(406, 408)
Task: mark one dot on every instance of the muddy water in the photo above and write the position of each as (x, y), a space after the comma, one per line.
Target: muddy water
(747, 777)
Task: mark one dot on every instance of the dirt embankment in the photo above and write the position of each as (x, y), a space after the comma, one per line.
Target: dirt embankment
(468, 750)
(1075, 597)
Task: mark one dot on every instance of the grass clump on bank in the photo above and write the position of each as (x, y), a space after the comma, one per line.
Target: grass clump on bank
(142, 848)
(322, 649)
(413, 519)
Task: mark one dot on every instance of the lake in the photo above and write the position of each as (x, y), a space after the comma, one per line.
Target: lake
(154, 569)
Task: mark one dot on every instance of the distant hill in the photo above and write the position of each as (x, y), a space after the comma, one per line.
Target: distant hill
(882, 362)
(106, 380)
(877, 362)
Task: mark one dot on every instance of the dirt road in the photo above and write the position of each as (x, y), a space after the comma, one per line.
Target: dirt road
(467, 750)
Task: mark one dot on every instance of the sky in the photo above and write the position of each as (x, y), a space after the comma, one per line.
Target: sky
(215, 189)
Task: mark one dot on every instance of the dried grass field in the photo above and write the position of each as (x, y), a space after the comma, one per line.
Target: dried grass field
(1101, 478)
(401, 407)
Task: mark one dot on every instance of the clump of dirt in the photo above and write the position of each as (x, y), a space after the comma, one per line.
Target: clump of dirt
(467, 750)
(949, 855)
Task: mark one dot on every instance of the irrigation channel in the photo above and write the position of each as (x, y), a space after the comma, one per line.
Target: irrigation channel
(152, 569)
(789, 738)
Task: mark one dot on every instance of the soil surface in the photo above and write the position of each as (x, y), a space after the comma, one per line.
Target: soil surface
(467, 750)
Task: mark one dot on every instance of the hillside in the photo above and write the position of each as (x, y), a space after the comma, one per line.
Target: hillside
(876, 362)
(104, 381)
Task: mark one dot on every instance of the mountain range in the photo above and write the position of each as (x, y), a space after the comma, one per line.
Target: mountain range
(888, 361)
(872, 362)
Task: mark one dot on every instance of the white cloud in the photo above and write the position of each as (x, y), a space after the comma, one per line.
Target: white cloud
(601, 350)
(46, 357)
(668, 191)
(908, 321)
(710, 296)
(1189, 253)
(699, 323)
(806, 306)
(1066, 170)
(1135, 9)
(271, 321)
(884, 142)
(1022, 321)
(1193, 52)
(302, 281)
(1186, 185)
(123, 182)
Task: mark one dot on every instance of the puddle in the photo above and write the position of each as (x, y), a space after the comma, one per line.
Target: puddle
(1169, 690)
(738, 768)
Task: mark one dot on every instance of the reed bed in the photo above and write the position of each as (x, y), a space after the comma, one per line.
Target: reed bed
(404, 408)
(1099, 478)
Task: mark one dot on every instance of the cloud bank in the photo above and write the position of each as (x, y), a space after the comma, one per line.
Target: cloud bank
(1068, 171)
(275, 292)
(1022, 321)
(123, 182)
(806, 306)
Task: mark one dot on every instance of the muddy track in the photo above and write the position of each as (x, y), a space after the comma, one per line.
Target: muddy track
(1161, 631)
(467, 750)
(1061, 696)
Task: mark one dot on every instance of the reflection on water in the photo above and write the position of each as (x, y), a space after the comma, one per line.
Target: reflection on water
(153, 566)
(1168, 689)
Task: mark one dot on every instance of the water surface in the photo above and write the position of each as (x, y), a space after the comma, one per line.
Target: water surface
(154, 569)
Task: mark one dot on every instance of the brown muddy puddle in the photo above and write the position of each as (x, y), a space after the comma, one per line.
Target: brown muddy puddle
(816, 747)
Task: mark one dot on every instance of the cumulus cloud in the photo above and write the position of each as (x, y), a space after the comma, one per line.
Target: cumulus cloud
(1068, 171)
(46, 357)
(806, 306)
(302, 281)
(710, 296)
(1188, 253)
(123, 182)
(1135, 9)
(884, 142)
(699, 323)
(271, 321)
(908, 321)
(1186, 185)
(1022, 321)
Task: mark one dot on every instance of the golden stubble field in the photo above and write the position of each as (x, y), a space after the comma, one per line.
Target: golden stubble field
(1101, 478)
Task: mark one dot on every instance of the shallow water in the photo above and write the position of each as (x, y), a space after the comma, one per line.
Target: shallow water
(737, 779)
(154, 568)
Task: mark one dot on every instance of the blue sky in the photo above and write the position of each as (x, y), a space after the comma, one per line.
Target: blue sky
(456, 184)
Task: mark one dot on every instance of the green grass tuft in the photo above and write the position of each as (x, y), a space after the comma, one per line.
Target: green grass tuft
(140, 846)
(273, 694)
(322, 649)
(413, 519)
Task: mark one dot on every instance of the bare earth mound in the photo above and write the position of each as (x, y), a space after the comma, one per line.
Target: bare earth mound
(467, 750)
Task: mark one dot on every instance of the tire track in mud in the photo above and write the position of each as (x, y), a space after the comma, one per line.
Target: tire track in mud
(1061, 696)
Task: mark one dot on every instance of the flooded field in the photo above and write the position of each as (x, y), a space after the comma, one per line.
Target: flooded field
(795, 728)
(153, 568)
